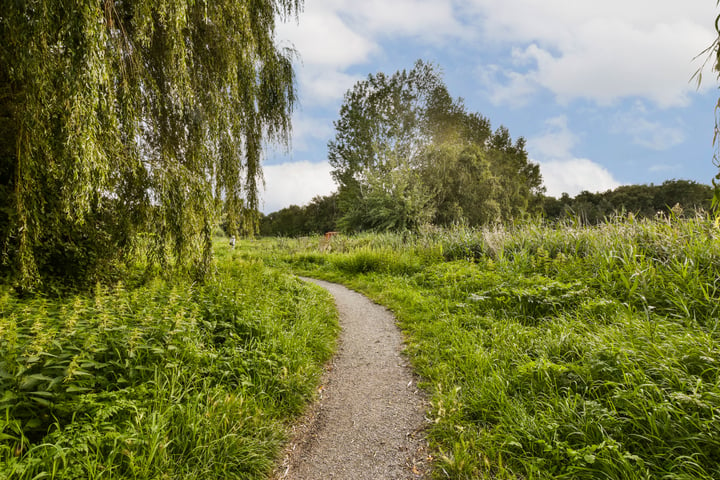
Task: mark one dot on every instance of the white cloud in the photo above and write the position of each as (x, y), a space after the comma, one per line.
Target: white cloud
(430, 19)
(602, 51)
(327, 46)
(308, 130)
(295, 183)
(322, 38)
(558, 21)
(575, 175)
(506, 87)
(555, 142)
(332, 36)
(647, 133)
(562, 172)
(325, 87)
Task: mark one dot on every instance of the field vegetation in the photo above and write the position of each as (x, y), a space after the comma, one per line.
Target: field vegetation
(549, 351)
(157, 378)
(552, 351)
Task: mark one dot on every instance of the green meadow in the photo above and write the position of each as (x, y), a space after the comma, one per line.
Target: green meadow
(551, 351)
(546, 351)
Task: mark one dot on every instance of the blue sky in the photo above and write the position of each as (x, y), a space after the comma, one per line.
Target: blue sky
(601, 90)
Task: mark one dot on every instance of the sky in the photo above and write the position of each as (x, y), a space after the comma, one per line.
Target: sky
(601, 90)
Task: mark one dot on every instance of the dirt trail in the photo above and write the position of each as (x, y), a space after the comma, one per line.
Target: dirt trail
(368, 422)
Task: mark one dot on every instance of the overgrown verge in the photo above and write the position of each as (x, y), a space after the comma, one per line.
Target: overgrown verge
(166, 380)
(553, 351)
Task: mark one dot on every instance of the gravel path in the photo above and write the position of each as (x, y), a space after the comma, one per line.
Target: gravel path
(368, 423)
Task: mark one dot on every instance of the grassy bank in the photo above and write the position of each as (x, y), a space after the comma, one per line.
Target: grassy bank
(552, 351)
(163, 380)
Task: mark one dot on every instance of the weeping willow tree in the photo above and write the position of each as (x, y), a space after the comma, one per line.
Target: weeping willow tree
(128, 117)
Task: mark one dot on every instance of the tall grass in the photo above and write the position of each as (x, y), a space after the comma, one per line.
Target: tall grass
(555, 351)
(164, 380)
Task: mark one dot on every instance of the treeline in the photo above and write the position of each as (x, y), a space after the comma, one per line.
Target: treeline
(319, 216)
(684, 197)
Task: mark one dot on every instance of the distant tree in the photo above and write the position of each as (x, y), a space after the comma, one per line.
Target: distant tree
(554, 208)
(288, 222)
(640, 200)
(391, 198)
(520, 180)
(119, 117)
(462, 185)
(692, 196)
(319, 216)
(379, 116)
(403, 138)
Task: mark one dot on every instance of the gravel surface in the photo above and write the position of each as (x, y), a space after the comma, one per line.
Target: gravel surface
(368, 422)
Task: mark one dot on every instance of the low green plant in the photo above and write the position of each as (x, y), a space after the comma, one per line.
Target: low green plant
(555, 351)
(169, 379)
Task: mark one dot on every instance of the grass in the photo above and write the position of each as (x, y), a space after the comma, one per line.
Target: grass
(552, 351)
(168, 379)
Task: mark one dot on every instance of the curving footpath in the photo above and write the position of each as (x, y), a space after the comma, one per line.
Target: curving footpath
(368, 423)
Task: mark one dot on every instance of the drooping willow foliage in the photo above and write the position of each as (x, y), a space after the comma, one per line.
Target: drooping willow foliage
(128, 117)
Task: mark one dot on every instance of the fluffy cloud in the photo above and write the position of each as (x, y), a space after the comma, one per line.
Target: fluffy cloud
(562, 172)
(327, 46)
(601, 51)
(557, 141)
(325, 87)
(295, 183)
(429, 19)
(334, 35)
(323, 39)
(575, 175)
(651, 134)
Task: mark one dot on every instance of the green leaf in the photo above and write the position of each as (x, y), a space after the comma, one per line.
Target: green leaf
(31, 381)
(8, 396)
(76, 389)
(41, 401)
(33, 423)
(42, 394)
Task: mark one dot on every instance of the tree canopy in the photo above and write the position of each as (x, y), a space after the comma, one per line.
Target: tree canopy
(405, 153)
(122, 117)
